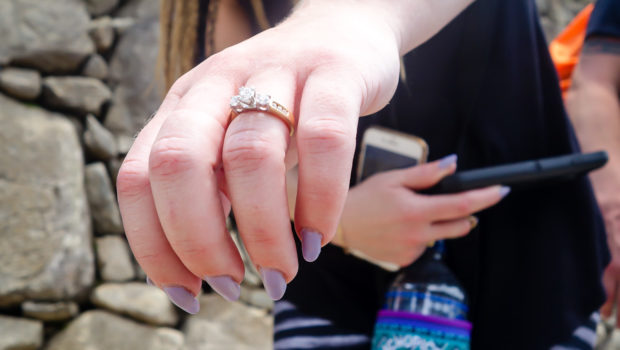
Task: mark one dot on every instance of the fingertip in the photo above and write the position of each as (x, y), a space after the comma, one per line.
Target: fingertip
(448, 162)
(504, 191)
(310, 244)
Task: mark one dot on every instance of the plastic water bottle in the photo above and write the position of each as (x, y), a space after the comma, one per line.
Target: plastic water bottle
(425, 309)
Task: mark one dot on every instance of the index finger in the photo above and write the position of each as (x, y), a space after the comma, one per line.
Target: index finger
(453, 206)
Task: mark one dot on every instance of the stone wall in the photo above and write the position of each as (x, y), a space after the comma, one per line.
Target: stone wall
(76, 83)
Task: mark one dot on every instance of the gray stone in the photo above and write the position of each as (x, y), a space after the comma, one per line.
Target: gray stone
(124, 143)
(118, 119)
(48, 35)
(224, 325)
(137, 95)
(140, 9)
(79, 94)
(113, 259)
(100, 330)
(100, 7)
(101, 30)
(114, 165)
(45, 234)
(103, 205)
(96, 67)
(256, 297)
(20, 334)
(21, 83)
(45, 311)
(138, 300)
(98, 140)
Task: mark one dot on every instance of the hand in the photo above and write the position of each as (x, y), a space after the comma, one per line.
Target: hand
(609, 202)
(329, 62)
(386, 220)
(187, 163)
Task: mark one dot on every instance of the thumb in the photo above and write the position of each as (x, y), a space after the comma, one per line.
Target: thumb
(426, 175)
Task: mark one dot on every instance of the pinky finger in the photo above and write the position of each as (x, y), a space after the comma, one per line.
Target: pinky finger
(453, 228)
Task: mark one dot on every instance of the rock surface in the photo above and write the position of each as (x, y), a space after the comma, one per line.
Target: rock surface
(224, 325)
(256, 297)
(99, 142)
(138, 300)
(137, 95)
(102, 33)
(44, 311)
(101, 199)
(100, 330)
(20, 83)
(20, 334)
(96, 67)
(78, 94)
(100, 7)
(113, 259)
(50, 35)
(45, 250)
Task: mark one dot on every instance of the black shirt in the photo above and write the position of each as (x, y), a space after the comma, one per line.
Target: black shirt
(486, 89)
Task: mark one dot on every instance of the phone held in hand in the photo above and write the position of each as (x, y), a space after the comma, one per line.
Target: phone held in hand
(384, 149)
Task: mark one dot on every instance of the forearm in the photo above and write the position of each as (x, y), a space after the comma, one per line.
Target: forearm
(410, 22)
(593, 106)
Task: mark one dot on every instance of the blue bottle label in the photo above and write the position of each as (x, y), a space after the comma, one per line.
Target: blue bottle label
(396, 330)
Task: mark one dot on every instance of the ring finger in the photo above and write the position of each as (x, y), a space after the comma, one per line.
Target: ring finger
(253, 157)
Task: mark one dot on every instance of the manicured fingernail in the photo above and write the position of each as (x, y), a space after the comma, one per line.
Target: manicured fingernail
(447, 161)
(183, 299)
(504, 190)
(149, 281)
(274, 283)
(473, 222)
(310, 244)
(225, 286)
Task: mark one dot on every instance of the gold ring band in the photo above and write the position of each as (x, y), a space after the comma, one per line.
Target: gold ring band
(248, 100)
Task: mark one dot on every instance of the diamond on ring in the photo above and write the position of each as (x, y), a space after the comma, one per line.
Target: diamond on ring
(249, 100)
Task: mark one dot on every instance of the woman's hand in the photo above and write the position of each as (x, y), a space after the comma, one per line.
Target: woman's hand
(385, 219)
(329, 63)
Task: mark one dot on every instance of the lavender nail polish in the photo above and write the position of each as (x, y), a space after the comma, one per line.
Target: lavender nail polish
(447, 161)
(274, 283)
(183, 299)
(310, 244)
(149, 281)
(504, 190)
(224, 286)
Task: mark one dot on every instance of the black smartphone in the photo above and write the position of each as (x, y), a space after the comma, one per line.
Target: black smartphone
(522, 174)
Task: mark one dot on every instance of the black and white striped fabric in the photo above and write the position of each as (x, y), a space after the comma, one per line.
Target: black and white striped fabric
(295, 330)
(584, 337)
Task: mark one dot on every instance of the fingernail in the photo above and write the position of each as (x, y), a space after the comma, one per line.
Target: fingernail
(504, 190)
(224, 286)
(473, 222)
(274, 283)
(183, 299)
(310, 244)
(447, 161)
(149, 281)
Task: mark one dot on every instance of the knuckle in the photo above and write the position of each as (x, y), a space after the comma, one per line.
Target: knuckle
(325, 135)
(170, 157)
(247, 151)
(464, 206)
(132, 179)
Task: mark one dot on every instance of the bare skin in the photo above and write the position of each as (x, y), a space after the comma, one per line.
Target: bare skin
(329, 62)
(594, 108)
